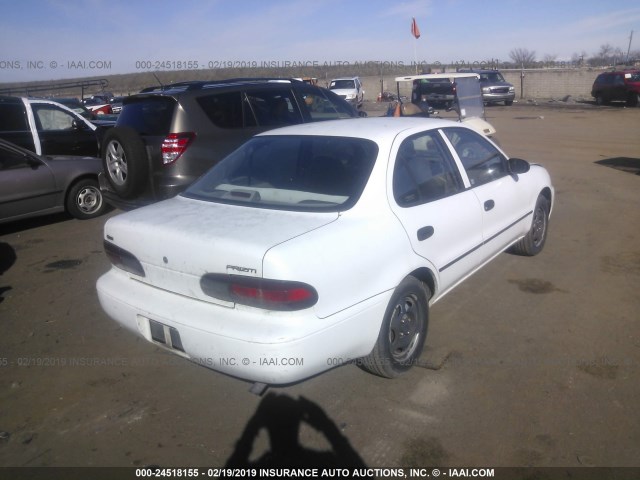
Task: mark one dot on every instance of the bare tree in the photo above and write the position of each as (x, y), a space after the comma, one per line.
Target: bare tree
(605, 51)
(523, 57)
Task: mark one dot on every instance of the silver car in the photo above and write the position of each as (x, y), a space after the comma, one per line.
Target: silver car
(33, 185)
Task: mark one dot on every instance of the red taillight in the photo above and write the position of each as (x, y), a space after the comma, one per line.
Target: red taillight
(264, 293)
(123, 259)
(175, 145)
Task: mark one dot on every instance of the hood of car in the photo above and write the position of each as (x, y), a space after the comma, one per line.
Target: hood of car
(179, 240)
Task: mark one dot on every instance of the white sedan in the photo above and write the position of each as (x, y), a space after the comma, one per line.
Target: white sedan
(316, 244)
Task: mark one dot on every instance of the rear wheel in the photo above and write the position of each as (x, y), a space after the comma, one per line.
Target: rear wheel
(533, 242)
(124, 159)
(403, 332)
(85, 201)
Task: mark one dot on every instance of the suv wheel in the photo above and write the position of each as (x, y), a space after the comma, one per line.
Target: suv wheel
(124, 160)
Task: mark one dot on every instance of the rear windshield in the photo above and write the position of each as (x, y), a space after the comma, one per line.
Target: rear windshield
(149, 115)
(302, 173)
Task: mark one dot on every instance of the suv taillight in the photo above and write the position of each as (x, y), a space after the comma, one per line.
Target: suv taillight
(175, 145)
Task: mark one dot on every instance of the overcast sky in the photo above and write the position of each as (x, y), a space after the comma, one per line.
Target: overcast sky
(53, 39)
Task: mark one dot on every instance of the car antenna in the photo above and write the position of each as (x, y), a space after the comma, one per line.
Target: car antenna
(157, 80)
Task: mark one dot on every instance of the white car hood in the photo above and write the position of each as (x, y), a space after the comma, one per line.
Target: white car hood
(179, 240)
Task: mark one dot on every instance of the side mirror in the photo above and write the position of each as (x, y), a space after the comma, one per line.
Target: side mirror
(78, 124)
(518, 165)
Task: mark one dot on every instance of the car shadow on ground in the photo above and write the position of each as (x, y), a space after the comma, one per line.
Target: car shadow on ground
(36, 222)
(282, 416)
(626, 164)
(7, 259)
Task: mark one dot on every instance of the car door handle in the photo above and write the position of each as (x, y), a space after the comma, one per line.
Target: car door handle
(488, 205)
(424, 233)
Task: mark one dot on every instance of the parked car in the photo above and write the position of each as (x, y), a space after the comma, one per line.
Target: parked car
(116, 104)
(620, 86)
(79, 107)
(98, 105)
(494, 87)
(168, 136)
(439, 90)
(32, 185)
(315, 244)
(348, 88)
(465, 98)
(48, 128)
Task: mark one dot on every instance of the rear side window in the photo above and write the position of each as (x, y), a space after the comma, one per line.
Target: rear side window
(424, 171)
(13, 118)
(150, 115)
(274, 107)
(225, 110)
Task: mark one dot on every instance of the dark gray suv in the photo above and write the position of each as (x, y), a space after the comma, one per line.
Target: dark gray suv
(166, 137)
(494, 87)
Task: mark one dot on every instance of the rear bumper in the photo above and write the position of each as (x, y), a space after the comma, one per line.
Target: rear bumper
(162, 193)
(248, 343)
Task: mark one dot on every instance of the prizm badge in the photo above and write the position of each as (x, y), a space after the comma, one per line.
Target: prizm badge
(241, 269)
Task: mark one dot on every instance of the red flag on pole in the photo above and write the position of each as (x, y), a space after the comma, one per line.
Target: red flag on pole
(415, 31)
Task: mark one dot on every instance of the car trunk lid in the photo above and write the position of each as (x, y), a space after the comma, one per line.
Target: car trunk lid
(179, 240)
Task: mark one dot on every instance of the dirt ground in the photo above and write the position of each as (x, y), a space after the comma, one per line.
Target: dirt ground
(531, 362)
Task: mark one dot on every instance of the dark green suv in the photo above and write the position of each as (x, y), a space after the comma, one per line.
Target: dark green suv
(166, 137)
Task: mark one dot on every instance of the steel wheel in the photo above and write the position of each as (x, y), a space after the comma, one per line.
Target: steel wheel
(404, 328)
(539, 226)
(89, 199)
(533, 242)
(403, 331)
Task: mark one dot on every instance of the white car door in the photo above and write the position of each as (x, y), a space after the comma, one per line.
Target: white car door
(442, 220)
(506, 215)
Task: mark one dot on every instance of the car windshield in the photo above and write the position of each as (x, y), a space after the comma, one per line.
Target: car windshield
(493, 77)
(301, 173)
(342, 84)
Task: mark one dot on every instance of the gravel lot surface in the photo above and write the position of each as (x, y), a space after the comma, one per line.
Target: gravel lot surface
(531, 362)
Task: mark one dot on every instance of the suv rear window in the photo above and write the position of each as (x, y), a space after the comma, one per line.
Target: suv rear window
(148, 115)
(301, 173)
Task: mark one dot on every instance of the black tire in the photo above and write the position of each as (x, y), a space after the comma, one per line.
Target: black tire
(599, 100)
(124, 159)
(632, 100)
(533, 242)
(508, 103)
(84, 200)
(403, 331)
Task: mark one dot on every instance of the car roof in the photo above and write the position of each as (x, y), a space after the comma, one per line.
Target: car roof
(377, 129)
(434, 76)
(198, 85)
